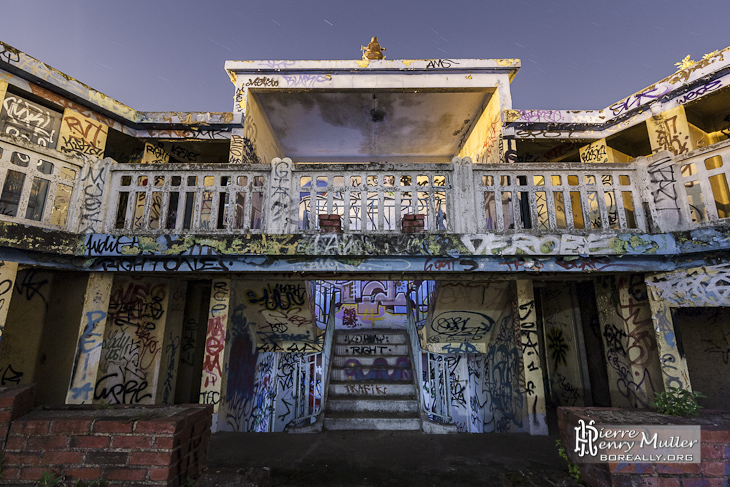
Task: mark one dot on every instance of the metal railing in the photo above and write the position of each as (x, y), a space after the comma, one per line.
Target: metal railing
(434, 389)
(310, 379)
(39, 185)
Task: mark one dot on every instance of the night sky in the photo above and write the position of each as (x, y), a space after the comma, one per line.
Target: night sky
(158, 56)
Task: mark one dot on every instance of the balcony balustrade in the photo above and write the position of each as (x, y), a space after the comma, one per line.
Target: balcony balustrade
(662, 193)
(40, 186)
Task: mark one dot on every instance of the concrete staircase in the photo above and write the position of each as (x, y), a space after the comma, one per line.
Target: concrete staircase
(371, 383)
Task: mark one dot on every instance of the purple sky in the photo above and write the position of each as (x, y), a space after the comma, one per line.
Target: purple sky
(158, 56)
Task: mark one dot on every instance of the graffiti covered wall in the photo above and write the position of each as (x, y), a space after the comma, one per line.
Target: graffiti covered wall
(132, 344)
(628, 340)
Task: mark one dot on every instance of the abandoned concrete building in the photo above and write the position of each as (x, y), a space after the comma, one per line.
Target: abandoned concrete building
(375, 243)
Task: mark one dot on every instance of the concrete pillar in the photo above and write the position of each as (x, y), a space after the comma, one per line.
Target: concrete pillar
(171, 343)
(632, 360)
(191, 349)
(465, 214)
(670, 131)
(8, 271)
(564, 346)
(532, 366)
(599, 152)
(3, 90)
(211, 382)
(132, 346)
(25, 317)
(673, 364)
(280, 214)
(91, 334)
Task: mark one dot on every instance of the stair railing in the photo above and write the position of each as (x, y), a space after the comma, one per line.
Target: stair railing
(435, 397)
(309, 384)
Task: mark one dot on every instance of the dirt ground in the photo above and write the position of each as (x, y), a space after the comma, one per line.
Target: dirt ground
(384, 458)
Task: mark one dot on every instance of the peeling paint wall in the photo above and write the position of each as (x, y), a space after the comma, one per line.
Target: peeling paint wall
(484, 142)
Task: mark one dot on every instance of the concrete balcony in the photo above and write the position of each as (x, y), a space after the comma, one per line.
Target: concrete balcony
(476, 209)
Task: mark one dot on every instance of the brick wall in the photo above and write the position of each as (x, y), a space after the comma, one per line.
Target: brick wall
(124, 445)
(713, 471)
(15, 401)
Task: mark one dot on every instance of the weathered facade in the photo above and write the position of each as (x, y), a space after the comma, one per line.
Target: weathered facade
(535, 258)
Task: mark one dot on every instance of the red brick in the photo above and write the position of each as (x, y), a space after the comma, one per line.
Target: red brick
(147, 458)
(58, 442)
(715, 469)
(71, 425)
(660, 481)
(84, 473)
(712, 450)
(12, 458)
(678, 468)
(700, 482)
(155, 427)
(126, 474)
(165, 442)
(32, 427)
(6, 416)
(62, 457)
(101, 457)
(112, 427)
(32, 473)
(161, 473)
(15, 443)
(100, 442)
(132, 442)
(625, 468)
(715, 436)
(10, 473)
(6, 401)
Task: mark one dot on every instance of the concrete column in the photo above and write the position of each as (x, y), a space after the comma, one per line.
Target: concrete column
(563, 346)
(132, 346)
(280, 212)
(91, 334)
(532, 366)
(673, 364)
(8, 272)
(171, 343)
(465, 200)
(211, 382)
(632, 361)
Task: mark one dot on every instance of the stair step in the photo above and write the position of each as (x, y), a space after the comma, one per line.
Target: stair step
(390, 404)
(371, 338)
(376, 374)
(370, 421)
(376, 389)
(367, 349)
(372, 361)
